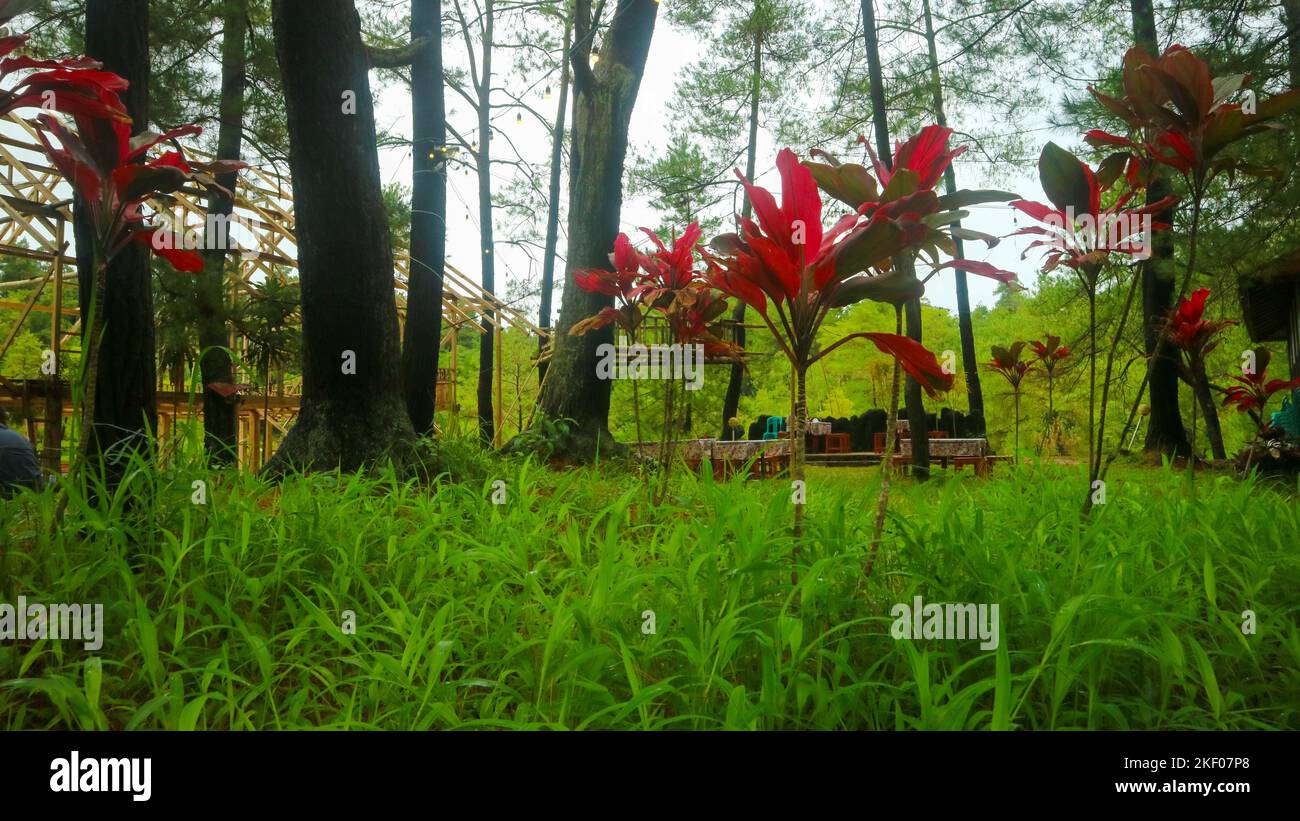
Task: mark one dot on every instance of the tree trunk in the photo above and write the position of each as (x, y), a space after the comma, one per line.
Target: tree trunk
(487, 255)
(352, 412)
(553, 202)
(736, 378)
(606, 94)
(125, 393)
(220, 415)
(1165, 433)
(428, 218)
(1291, 17)
(904, 263)
(914, 399)
(1213, 431)
(969, 359)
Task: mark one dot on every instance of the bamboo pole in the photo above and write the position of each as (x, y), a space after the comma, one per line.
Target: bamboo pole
(53, 443)
(455, 369)
(497, 415)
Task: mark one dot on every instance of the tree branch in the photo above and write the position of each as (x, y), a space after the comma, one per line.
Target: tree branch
(397, 57)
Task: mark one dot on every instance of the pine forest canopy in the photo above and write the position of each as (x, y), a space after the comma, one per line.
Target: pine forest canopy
(721, 87)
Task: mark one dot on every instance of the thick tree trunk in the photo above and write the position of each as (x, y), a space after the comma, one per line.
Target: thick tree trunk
(487, 255)
(553, 203)
(606, 94)
(912, 399)
(974, 393)
(125, 394)
(428, 218)
(1165, 433)
(352, 413)
(736, 378)
(220, 415)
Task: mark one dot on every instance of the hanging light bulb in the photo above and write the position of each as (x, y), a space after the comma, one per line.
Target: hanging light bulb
(546, 95)
(519, 118)
(595, 58)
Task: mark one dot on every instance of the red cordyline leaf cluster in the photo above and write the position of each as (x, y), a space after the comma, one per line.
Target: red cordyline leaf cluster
(792, 270)
(1255, 389)
(1007, 362)
(788, 267)
(1050, 351)
(1077, 231)
(109, 170)
(1190, 331)
(1182, 116)
(665, 281)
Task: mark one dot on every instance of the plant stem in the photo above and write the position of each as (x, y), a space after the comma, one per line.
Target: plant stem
(1015, 452)
(91, 375)
(887, 462)
(797, 449)
(1197, 194)
(1094, 469)
(1092, 377)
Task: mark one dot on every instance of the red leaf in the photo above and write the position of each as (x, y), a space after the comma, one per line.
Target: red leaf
(170, 250)
(984, 269)
(914, 358)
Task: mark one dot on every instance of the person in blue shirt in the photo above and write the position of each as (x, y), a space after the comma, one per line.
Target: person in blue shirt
(19, 466)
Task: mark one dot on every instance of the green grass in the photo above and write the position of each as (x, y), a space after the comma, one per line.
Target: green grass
(529, 615)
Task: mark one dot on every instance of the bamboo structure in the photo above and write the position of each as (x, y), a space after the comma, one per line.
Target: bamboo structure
(35, 220)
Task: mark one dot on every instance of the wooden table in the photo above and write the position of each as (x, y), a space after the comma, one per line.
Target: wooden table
(773, 456)
(726, 457)
(955, 452)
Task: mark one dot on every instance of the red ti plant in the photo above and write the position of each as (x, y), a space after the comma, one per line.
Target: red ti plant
(1083, 236)
(664, 281)
(1195, 337)
(624, 283)
(792, 271)
(1179, 118)
(1050, 353)
(1007, 362)
(115, 177)
(1255, 389)
(96, 161)
(915, 168)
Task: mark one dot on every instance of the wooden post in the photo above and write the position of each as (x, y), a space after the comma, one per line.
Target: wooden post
(455, 370)
(52, 449)
(497, 414)
(266, 438)
(255, 441)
